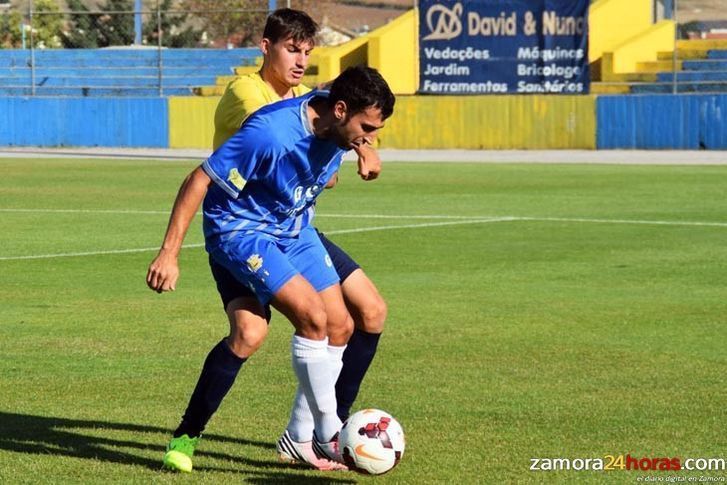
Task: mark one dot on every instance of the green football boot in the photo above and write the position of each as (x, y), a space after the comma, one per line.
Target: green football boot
(179, 453)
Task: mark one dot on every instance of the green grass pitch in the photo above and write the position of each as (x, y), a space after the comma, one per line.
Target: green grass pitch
(535, 311)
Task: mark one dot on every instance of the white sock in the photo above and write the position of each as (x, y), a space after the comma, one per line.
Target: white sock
(335, 355)
(300, 427)
(301, 424)
(312, 364)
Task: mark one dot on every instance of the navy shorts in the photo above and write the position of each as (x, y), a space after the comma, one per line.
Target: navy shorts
(342, 262)
(230, 287)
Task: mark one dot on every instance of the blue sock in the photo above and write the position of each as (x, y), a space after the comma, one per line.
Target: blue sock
(218, 374)
(356, 360)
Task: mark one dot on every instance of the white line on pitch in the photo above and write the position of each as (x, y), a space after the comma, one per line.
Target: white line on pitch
(398, 216)
(405, 226)
(622, 221)
(198, 245)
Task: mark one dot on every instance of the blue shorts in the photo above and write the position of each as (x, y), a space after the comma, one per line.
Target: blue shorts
(264, 263)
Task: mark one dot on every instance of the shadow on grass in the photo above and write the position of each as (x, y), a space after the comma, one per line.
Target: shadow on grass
(24, 433)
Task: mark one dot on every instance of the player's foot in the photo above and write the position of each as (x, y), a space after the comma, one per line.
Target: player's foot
(291, 451)
(328, 450)
(179, 453)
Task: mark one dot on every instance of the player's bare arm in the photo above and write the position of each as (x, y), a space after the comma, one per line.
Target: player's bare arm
(164, 269)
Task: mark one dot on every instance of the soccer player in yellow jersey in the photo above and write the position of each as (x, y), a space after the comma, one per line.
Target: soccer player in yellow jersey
(288, 39)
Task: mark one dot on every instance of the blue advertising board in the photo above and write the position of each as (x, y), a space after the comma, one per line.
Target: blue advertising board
(503, 46)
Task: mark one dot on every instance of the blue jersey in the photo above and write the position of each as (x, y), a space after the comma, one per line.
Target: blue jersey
(268, 175)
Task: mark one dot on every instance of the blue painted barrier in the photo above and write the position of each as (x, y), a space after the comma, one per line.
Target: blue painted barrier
(687, 122)
(111, 122)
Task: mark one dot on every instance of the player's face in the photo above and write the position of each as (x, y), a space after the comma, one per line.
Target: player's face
(287, 59)
(359, 128)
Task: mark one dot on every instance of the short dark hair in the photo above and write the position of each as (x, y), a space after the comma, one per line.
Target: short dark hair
(286, 22)
(361, 87)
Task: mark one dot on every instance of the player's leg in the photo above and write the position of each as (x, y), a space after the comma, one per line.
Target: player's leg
(248, 321)
(311, 259)
(299, 301)
(368, 310)
(340, 327)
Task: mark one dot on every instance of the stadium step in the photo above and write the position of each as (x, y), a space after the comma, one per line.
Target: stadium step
(681, 88)
(682, 54)
(708, 65)
(657, 66)
(692, 76)
(609, 88)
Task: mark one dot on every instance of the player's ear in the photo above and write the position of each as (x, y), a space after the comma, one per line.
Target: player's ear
(265, 46)
(340, 109)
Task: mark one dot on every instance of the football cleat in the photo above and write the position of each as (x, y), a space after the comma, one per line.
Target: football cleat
(179, 453)
(328, 450)
(290, 451)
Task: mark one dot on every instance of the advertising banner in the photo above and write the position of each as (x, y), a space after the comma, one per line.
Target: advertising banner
(503, 47)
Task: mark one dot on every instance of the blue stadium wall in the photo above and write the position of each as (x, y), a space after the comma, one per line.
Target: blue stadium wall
(687, 122)
(107, 122)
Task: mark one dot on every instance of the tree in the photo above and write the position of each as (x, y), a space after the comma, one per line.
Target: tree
(239, 22)
(11, 34)
(47, 24)
(82, 32)
(116, 28)
(176, 31)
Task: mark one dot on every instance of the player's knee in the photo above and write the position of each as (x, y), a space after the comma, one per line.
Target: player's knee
(340, 331)
(246, 341)
(372, 316)
(312, 319)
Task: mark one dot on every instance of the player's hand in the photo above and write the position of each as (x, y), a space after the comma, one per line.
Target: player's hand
(163, 272)
(369, 163)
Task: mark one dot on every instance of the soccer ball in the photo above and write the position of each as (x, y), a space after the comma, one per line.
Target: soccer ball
(371, 441)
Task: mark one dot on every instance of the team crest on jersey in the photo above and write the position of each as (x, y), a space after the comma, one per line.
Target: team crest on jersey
(236, 179)
(254, 262)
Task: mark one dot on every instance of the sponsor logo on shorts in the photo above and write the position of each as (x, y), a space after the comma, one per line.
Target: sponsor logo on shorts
(255, 262)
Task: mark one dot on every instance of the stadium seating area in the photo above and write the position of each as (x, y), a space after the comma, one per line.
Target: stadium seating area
(701, 67)
(116, 72)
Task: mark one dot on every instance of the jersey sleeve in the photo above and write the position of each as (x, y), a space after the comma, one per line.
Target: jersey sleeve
(246, 156)
(241, 98)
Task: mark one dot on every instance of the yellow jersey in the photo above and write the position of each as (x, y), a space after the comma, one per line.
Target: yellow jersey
(242, 97)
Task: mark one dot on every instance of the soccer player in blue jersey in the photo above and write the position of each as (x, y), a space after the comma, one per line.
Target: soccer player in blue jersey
(259, 189)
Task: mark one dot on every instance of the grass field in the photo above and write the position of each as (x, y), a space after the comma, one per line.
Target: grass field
(535, 311)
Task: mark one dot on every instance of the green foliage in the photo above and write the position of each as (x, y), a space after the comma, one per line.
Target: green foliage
(11, 35)
(238, 22)
(92, 30)
(176, 31)
(83, 33)
(113, 28)
(47, 24)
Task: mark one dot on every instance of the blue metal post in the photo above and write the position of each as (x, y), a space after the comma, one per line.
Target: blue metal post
(137, 22)
(272, 5)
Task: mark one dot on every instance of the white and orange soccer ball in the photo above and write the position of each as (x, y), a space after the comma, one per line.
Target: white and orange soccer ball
(371, 441)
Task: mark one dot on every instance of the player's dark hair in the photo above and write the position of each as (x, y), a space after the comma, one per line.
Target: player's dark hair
(361, 87)
(286, 22)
